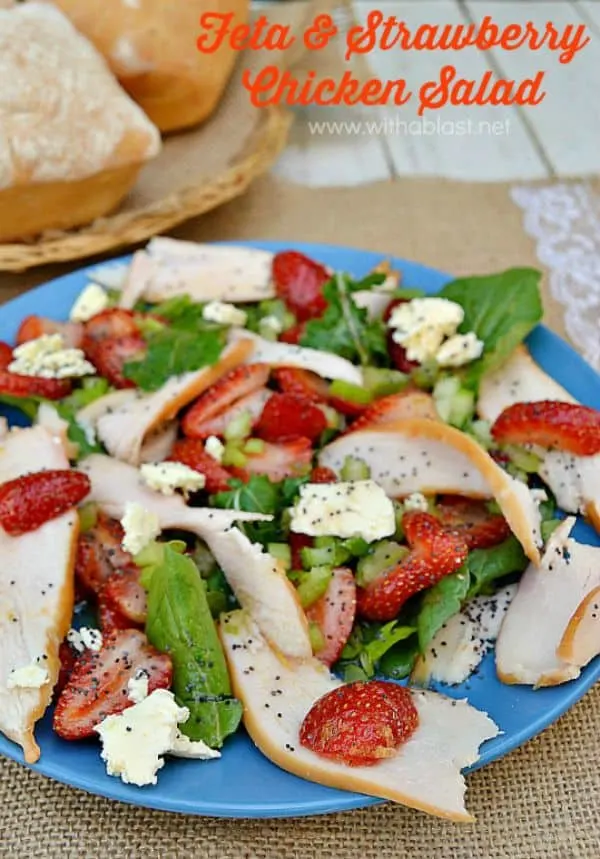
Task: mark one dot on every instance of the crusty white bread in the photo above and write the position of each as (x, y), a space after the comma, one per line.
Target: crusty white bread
(150, 46)
(71, 140)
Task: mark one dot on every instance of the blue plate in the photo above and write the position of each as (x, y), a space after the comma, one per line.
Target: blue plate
(243, 783)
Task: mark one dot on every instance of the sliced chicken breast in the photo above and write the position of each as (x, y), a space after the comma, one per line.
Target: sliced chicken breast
(551, 629)
(427, 456)
(257, 579)
(36, 593)
(424, 774)
(124, 429)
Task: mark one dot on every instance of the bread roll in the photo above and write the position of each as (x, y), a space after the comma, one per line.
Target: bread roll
(71, 141)
(150, 45)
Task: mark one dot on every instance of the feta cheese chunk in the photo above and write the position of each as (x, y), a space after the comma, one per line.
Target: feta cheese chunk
(214, 447)
(141, 526)
(416, 502)
(355, 509)
(166, 477)
(270, 325)
(459, 349)
(85, 638)
(91, 301)
(137, 687)
(28, 677)
(422, 324)
(134, 742)
(183, 747)
(47, 358)
(224, 314)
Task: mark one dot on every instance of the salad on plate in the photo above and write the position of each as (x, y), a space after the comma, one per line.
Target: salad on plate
(259, 491)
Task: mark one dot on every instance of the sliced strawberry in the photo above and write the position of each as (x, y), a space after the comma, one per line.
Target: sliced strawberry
(110, 357)
(322, 474)
(294, 334)
(287, 416)
(33, 386)
(562, 426)
(297, 542)
(110, 618)
(33, 327)
(360, 724)
(396, 351)
(6, 355)
(124, 593)
(347, 407)
(278, 461)
(334, 614)
(29, 501)
(299, 281)
(233, 386)
(67, 657)
(301, 383)
(98, 684)
(252, 405)
(472, 522)
(396, 407)
(108, 325)
(190, 451)
(99, 554)
(435, 553)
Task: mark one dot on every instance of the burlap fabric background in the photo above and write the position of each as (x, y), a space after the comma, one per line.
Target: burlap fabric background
(542, 801)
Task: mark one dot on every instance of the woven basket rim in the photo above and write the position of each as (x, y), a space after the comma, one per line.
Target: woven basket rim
(129, 228)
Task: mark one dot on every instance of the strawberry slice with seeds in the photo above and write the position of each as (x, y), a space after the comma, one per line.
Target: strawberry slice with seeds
(360, 724)
(33, 386)
(99, 554)
(322, 474)
(435, 553)
(97, 687)
(278, 461)
(190, 452)
(299, 281)
(67, 656)
(294, 334)
(6, 355)
(33, 327)
(396, 407)
(110, 618)
(252, 405)
(110, 324)
(550, 424)
(28, 502)
(236, 384)
(301, 383)
(124, 593)
(471, 521)
(334, 614)
(287, 416)
(111, 355)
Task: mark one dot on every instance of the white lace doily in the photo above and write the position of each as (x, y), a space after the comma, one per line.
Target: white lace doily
(565, 222)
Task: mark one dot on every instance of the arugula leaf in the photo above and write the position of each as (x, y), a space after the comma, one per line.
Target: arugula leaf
(367, 646)
(501, 309)
(181, 311)
(440, 602)
(180, 623)
(487, 565)
(176, 350)
(92, 389)
(345, 328)
(399, 660)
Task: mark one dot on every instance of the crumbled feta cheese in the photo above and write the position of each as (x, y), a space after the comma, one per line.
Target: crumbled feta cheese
(134, 742)
(271, 325)
(85, 638)
(183, 747)
(166, 477)
(214, 447)
(141, 527)
(356, 509)
(46, 358)
(416, 502)
(224, 314)
(422, 324)
(91, 301)
(137, 687)
(28, 677)
(459, 350)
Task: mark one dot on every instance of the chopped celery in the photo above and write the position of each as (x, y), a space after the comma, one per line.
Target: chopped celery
(383, 556)
(381, 382)
(232, 455)
(333, 555)
(480, 430)
(281, 552)
(333, 418)
(88, 516)
(355, 469)
(313, 585)
(356, 546)
(239, 427)
(399, 511)
(425, 376)
(254, 445)
(523, 459)
(322, 542)
(151, 555)
(317, 639)
(455, 405)
(348, 391)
